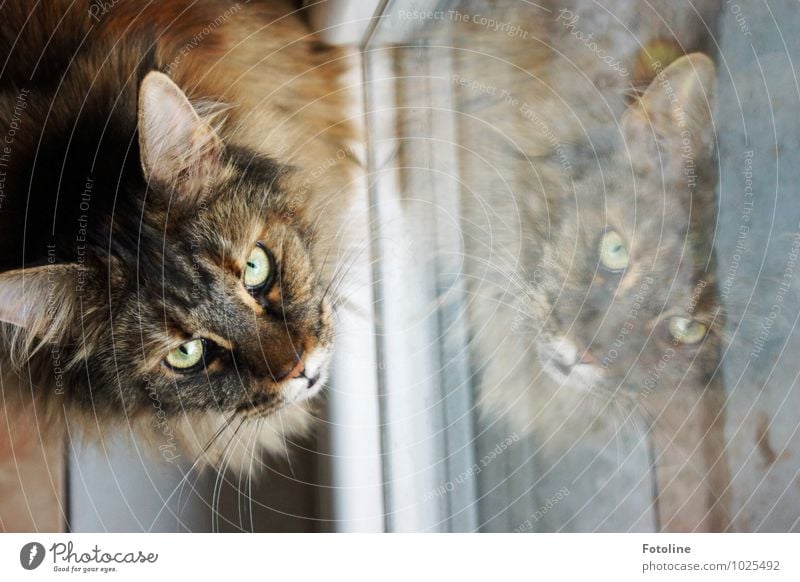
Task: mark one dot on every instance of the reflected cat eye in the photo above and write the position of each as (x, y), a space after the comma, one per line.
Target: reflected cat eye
(686, 330)
(612, 251)
(187, 356)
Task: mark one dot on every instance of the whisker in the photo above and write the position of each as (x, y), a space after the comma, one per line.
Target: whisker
(324, 262)
(250, 474)
(343, 269)
(220, 478)
(182, 483)
(200, 456)
(285, 445)
(239, 495)
(247, 498)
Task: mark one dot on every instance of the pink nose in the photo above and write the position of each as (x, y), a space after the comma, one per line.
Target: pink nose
(298, 368)
(589, 358)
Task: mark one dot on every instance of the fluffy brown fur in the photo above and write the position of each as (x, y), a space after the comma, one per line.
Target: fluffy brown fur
(158, 145)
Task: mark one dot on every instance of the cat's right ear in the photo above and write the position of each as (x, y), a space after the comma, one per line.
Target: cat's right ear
(40, 301)
(676, 109)
(179, 150)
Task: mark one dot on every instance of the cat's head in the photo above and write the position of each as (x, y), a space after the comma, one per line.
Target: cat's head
(182, 277)
(624, 290)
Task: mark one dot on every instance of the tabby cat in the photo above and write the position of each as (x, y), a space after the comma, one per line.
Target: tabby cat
(163, 262)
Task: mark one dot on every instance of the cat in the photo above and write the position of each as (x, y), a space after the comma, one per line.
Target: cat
(593, 294)
(162, 253)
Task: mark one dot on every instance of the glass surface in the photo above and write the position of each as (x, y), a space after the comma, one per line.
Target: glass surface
(585, 265)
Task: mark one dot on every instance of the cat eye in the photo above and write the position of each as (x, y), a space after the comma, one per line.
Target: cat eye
(613, 252)
(687, 331)
(186, 355)
(258, 270)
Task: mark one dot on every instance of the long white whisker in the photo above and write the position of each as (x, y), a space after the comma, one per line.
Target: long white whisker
(227, 453)
(182, 483)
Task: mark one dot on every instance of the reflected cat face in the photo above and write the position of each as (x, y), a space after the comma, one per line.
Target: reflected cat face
(625, 301)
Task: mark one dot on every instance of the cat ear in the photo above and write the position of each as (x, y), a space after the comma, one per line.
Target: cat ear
(178, 148)
(676, 108)
(40, 300)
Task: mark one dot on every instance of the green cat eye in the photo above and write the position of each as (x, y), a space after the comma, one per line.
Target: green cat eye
(186, 355)
(258, 268)
(686, 331)
(613, 252)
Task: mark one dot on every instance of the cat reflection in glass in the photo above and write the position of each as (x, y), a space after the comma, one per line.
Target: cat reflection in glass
(606, 314)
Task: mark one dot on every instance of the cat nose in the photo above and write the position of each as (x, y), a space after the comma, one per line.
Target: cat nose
(565, 353)
(294, 369)
(587, 357)
(568, 354)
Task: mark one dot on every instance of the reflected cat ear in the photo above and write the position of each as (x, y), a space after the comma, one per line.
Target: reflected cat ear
(40, 300)
(179, 149)
(677, 107)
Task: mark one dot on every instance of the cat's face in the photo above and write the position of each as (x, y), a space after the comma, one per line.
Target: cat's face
(206, 299)
(233, 315)
(237, 319)
(624, 296)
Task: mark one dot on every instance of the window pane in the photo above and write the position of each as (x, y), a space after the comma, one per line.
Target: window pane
(585, 261)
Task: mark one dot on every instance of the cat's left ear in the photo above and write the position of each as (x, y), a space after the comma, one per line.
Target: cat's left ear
(676, 109)
(179, 150)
